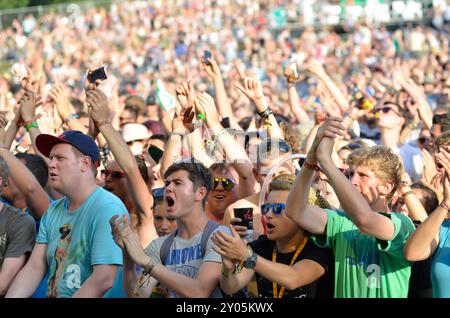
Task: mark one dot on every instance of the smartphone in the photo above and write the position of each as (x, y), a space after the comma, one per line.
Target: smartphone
(246, 215)
(98, 74)
(206, 55)
(155, 153)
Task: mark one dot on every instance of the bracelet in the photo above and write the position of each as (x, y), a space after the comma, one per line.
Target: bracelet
(29, 125)
(148, 268)
(407, 193)
(224, 272)
(311, 166)
(266, 113)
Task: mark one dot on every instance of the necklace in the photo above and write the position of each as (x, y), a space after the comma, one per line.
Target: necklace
(274, 259)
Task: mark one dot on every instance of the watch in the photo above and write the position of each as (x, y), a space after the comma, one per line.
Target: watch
(250, 262)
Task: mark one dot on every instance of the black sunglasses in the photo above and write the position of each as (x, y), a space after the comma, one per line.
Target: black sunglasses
(282, 145)
(385, 110)
(227, 184)
(114, 174)
(277, 208)
(158, 193)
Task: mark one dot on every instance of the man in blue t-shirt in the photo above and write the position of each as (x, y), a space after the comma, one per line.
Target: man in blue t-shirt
(74, 242)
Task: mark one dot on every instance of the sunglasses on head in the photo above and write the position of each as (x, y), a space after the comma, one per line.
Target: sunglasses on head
(277, 208)
(158, 193)
(227, 184)
(114, 174)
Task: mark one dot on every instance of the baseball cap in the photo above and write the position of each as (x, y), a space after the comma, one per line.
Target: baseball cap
(84, 143)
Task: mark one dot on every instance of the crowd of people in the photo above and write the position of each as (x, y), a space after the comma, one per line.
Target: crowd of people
(153, 150)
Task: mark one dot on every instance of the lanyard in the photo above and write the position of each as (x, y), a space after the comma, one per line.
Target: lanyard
(274, 259)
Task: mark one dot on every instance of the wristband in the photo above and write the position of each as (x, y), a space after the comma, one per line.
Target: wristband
(201, 116)
(311, 166)
(407, 193)
(266, 113)
(29, 125)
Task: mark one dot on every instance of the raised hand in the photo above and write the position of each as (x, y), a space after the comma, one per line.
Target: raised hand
(98, 106)
(186, 92)
(28, 104)
(212, 69)
(252, 88)
(204, 104)
(331, 128)
(315, 68)
(58, 94)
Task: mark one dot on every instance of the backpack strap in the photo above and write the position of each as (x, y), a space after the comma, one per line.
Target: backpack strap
(209, 228)
(165, 247)
(167, 244)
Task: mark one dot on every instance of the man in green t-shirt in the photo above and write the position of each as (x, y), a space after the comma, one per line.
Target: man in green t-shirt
(367, 241)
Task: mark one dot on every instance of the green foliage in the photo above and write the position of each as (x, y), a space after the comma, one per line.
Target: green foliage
(6, 4)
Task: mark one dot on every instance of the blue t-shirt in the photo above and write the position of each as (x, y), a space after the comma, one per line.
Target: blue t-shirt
(440, 266)
(78, 240)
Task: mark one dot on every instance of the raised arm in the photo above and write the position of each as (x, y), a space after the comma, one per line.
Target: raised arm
(294, 100)
(101, 115)
(317, 70)
(311, 218)
(252, 88)
(235, 153)
(36, 197)
(424, 241)
(61, 100)
(223, 103)
(352, 202)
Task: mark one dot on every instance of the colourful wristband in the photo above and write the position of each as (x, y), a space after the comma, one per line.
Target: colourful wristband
(33, 124)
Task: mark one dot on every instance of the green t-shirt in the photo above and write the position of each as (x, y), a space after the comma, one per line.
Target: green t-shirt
(364, 266)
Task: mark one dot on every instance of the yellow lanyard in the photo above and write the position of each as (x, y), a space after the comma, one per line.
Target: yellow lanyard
(274, 259)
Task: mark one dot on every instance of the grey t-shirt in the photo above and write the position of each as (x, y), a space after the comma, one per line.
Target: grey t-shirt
(17, 233)
(185, 256)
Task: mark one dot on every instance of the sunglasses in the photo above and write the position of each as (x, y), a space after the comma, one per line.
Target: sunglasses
(281, 145)
(423, 140)
(385, 110)
(227, 184)
(277, 208)
(114, 174)
(158, 193)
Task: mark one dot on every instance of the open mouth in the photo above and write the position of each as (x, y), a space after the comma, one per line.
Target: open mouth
(270, 226)
(219, 197)
(51, 174)
(108, 188)
(170, 201)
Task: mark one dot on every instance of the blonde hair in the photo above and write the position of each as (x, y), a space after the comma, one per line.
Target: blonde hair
(284, 182)
(386, 165)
